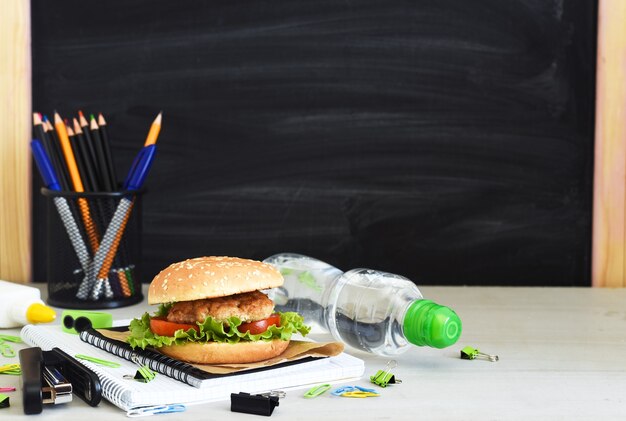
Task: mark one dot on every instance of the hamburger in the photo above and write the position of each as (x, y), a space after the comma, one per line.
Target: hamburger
(211, 311)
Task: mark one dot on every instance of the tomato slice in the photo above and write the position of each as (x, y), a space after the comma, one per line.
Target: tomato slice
(161, 326)
(260, 326)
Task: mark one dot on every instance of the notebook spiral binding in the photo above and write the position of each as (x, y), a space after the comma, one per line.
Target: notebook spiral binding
(160, 363)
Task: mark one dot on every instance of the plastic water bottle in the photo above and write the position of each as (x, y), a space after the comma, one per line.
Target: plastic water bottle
(21, 305)
(370, 310)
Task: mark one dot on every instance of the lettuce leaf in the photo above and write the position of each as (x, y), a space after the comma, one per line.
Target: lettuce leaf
(213, 330)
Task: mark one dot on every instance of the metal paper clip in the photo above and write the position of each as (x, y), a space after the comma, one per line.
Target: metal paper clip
(469, 353)
(315, 391)
(274, 393)
(154, 410)
(384, 377)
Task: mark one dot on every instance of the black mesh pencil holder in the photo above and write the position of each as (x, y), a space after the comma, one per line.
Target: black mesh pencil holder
(93, 247)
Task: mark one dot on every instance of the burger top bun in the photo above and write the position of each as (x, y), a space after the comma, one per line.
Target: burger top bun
(210, 277)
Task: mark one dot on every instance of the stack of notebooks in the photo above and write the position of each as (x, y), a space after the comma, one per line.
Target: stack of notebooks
(181, 383)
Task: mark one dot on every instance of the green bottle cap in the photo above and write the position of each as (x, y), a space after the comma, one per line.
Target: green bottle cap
(427, 323)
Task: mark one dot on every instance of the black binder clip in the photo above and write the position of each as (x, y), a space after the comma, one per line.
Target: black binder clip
(51, 377)
(253, 404)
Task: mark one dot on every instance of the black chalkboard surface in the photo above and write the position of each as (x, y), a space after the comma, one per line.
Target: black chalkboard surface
(450, 141)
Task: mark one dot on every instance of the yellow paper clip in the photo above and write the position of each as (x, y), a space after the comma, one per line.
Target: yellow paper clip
(13, 369)
(359, 394)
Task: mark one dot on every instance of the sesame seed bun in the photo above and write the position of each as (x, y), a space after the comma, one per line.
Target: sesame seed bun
(211, 277)
(225, 353)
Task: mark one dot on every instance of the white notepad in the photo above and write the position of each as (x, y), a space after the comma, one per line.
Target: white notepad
(130, 394)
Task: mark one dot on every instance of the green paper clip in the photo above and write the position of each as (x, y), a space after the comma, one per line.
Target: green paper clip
(98, 361)
(144, 374)
(315, 391)
(10, 338)
(384, 377)
(469, 353)
(4, 401)
(7, 350)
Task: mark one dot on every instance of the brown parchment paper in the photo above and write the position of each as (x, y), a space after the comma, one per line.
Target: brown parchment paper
(295, 351)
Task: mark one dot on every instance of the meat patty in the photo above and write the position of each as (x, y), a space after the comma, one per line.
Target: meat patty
(248, 306)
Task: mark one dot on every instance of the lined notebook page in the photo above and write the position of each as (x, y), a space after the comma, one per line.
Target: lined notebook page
(129, 394)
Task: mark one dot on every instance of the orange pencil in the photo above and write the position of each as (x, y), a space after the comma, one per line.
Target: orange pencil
(103, 273)
(70, 160)
(153, 134)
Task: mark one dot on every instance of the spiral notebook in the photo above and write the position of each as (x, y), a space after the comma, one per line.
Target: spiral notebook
(193, 386)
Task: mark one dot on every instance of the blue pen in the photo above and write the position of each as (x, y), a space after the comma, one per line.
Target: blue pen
(141, 153)
(44, 165)
(108, 245)
(138, 177)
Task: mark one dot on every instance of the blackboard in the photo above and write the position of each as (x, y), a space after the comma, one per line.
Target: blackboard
(450, 141)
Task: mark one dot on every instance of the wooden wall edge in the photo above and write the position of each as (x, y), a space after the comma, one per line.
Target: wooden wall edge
(15, 133)
(609, 210)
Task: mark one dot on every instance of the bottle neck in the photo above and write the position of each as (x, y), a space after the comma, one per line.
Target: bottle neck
(427, 323)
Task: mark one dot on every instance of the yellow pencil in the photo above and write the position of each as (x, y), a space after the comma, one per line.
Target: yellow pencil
(153, 134)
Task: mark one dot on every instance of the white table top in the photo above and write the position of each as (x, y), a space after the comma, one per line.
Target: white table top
(562, 356)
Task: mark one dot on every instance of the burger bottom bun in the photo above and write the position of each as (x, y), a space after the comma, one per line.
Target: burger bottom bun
(224, 352)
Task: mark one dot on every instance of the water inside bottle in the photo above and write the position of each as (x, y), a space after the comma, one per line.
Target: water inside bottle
(363, 308)
(367, 307)
(306, 280)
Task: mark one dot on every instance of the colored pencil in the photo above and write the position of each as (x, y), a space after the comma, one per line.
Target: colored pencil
(86, 156)
(76, 182)
(107, 149)
(84, 125)
(57, 155)
(102, 164)
(40, 132)
(80, 162)
(155, 129)
(66, 147)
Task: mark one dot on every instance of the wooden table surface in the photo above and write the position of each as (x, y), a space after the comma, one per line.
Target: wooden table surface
(562, 356)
